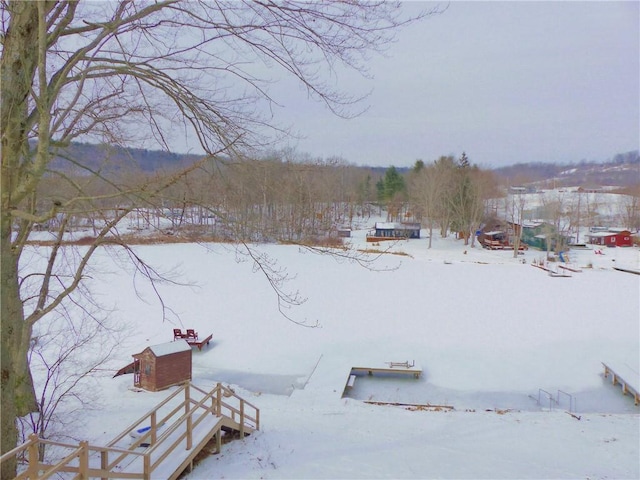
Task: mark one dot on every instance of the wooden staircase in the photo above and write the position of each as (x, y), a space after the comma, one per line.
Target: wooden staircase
(177, 430)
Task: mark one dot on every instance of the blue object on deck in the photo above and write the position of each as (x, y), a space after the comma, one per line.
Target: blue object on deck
(141, 431)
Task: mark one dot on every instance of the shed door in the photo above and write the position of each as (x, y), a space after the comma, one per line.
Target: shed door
(136, 372)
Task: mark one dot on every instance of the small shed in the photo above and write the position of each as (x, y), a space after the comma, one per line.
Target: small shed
(611, 239)
(162, 366)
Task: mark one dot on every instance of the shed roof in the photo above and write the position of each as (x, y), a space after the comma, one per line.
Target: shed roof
(169, 348)
(388, 225)
(602, 234)
(397, 226)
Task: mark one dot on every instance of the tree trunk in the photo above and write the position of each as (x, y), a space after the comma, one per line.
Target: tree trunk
(17, 394)
(19, 59)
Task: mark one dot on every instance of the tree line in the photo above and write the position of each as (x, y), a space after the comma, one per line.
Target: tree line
(282, 197)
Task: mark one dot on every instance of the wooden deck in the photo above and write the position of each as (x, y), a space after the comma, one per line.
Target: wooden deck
(179, 428)
(191, 337)
(196, 342)
(630, 383)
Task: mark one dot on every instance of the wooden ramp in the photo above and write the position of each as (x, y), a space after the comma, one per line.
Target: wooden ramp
(167, 439)
(630, 383)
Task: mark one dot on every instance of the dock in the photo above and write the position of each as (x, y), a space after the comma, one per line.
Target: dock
(196, 342)
(635, 271)
(389, 368)
(630, 383)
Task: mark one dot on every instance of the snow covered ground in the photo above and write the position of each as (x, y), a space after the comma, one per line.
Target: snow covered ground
(493, 335)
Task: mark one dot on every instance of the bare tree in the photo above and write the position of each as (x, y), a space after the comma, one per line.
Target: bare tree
(427, 188)
(555, 206)
(445, 176)
(629, 208)
(516, 206)
(131, 73)
(66, 355)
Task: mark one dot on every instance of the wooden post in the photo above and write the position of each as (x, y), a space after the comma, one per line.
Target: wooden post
(104, 461)
(218, 441)
(187, 407)
(154, 433)
(241, 418)
(187, 398)
(34, 461)
(189, 431)
(257, 419)
(146, 466)
(219, 401)
(83, 460)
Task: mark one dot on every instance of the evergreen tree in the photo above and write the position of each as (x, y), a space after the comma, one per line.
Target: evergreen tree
(393, 184)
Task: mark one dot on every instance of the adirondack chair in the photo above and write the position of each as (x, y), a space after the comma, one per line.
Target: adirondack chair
(177, 334)
(191, 333)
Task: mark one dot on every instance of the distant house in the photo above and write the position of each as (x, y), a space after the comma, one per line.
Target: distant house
(394, 231)
(618, 238)
(162, 366)
(543, 236)
(497, 234)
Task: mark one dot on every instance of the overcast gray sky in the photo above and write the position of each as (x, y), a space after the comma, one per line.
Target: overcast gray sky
(506, 82)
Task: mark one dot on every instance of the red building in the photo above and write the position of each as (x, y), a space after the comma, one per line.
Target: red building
(162, 366)
(611, 239)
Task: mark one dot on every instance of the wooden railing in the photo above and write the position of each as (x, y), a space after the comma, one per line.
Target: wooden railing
(171, 423)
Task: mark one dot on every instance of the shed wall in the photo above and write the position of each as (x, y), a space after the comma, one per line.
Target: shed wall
(158, 373)
(173, 369)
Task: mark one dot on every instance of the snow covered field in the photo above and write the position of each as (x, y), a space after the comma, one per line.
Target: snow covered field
(492, 334)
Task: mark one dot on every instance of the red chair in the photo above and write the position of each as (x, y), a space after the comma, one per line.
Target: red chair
(191, 333)
(177, 334)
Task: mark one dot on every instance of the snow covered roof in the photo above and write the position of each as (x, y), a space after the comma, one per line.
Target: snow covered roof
(169, 348)
(532, 223)
(396, 225)
(387, 225)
